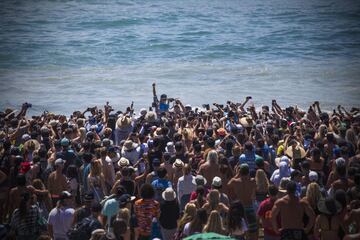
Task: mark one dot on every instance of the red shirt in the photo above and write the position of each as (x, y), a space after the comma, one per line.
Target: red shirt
(264, 211)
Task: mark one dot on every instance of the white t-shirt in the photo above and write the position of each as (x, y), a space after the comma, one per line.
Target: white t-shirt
(61, 220)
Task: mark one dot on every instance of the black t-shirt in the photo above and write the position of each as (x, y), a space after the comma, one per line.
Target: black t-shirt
(169, 214)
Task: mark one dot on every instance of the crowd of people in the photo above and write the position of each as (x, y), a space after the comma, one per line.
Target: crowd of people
(172, 170)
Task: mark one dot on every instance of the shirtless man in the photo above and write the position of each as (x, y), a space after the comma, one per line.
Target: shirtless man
(210, 169)
(16, 192)
(291, 210)
(57, 181)
(243, 188)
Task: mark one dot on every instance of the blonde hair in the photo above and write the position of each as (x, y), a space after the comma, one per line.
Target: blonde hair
(189, 214)
(262, 182)
(313, 194)
(212, 156)
(82, 133)
(124, 213)
(213, 199)
(95, 168)
(214, 223)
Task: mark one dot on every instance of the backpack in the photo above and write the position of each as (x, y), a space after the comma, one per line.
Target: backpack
(82, 230)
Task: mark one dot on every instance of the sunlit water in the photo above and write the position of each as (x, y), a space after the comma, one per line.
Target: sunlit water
(67, 55)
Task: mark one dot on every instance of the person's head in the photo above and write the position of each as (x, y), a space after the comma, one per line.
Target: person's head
(313, 194)
(291, 188)
(147, 191)
(262, 181)
(235, 215)
(210, 142)
(340, 196)
(249, 147)
(213, 198)
(59, 164)
(341, 170)
(64, 199)
(273, 191)
(197, 148)
(199, 220)
(161, 172)
(236, 151)
(95, 168)
(188, 216)
(96, 209)
(186, 169)
(120, 227)
(88, 199)
(72, 172)
(244, 170)
(38, 184)
(329, 206)
(296, 176)
(212, 157)
(305, 166)
(214, 223)
(216, 183)
(124, 213)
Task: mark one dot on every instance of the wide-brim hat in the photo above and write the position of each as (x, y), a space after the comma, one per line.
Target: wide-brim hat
(169, 194)
(123, 162)
(31, 144)
(329, 206)
(199, 180)
(247, 121)
(299, 152)
(283, 183)
(278, 160)
(178, 163)
(123, 122)
(129, 145)
(150, 117)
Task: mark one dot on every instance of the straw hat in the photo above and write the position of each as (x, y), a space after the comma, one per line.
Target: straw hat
(298, 153)
(178, 163)
(129, 145)
(123, 162)
(329, 206)
(123, 122)
(31, 145)
(150, 117)
(169, 194)
(247, 121)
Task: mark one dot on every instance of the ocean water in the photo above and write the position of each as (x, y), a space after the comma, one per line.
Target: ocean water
(67, 55)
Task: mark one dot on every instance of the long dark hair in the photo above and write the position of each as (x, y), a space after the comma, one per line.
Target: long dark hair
(200, 191)
(200, 219)
(235, 216)
(25, 197)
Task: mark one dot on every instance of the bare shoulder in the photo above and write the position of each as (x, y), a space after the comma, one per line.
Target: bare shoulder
(280, 202)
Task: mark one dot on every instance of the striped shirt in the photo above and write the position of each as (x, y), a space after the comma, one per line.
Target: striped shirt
(146, 210)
